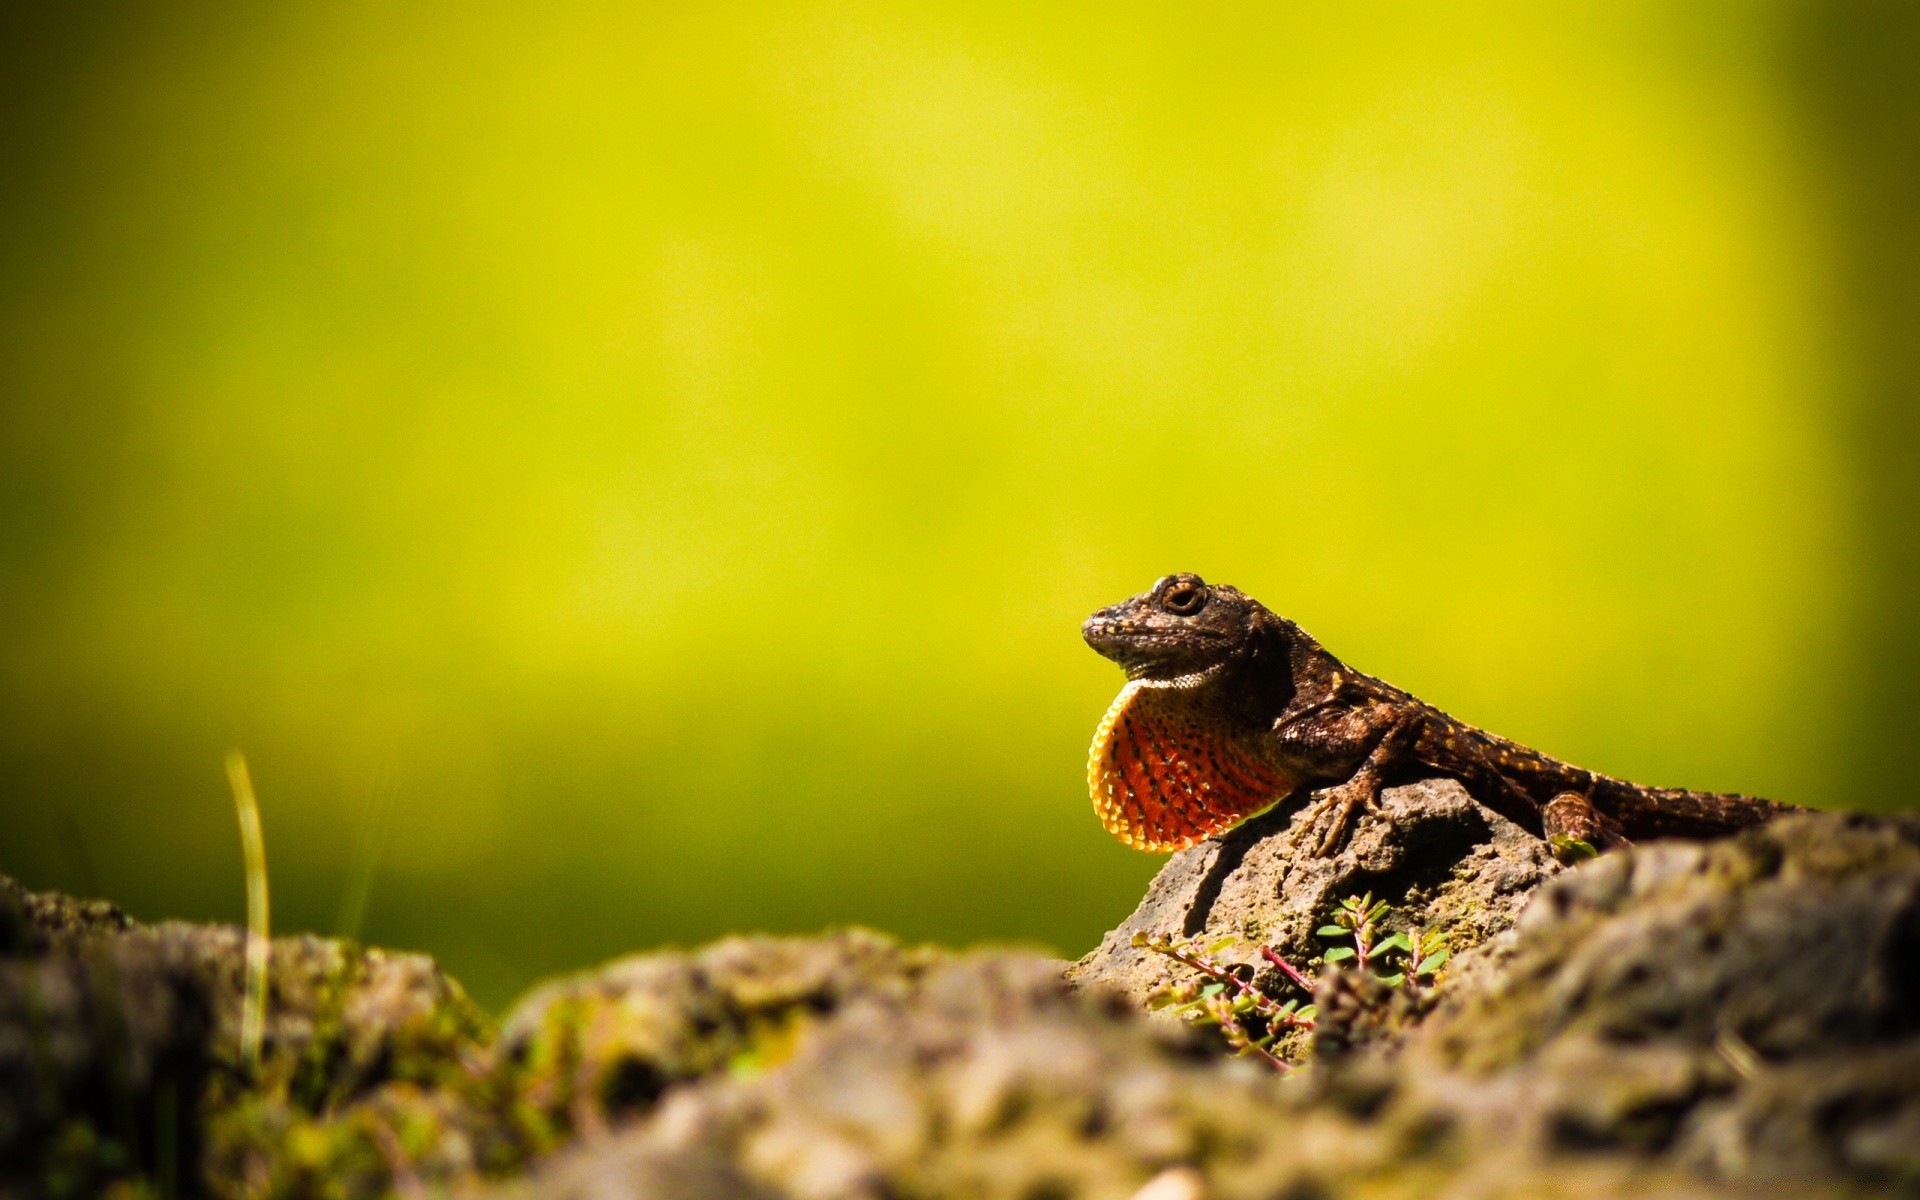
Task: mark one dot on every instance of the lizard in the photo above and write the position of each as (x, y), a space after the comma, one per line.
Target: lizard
(1230, 708)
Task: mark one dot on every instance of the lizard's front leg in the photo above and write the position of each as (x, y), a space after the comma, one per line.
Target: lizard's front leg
(1336, 806)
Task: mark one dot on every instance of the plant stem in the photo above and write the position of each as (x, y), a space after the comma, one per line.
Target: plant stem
(1237, 1038)
(1288, 969)
(1262, 1003)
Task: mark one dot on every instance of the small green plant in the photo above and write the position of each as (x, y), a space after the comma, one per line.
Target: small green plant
(1249, 1019)
(1355, 918)
(1426, 952)
(1419, 954)
(1252, 1021)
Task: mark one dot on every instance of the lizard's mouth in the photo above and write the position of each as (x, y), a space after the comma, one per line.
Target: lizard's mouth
(1148, 652)
(1119, 639)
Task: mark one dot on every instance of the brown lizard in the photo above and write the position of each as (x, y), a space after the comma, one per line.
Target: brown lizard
(1230, 708)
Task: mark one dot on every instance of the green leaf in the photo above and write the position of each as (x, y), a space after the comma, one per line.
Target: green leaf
(1394, 980)
(1332, 931)
(1213, 989)
(1160, 1000)
(1139, 939)
(1397, 942)
(1219, 944)
(1338, 954)
(1571, 849)
(1434, 962)
(1379, 910)
(1309, 1012)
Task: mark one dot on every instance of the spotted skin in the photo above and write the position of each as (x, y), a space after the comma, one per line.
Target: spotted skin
(1229, 708)
(1167, 771)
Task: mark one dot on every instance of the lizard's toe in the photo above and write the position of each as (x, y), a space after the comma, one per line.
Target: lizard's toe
(1330, 842)
(1334, 823)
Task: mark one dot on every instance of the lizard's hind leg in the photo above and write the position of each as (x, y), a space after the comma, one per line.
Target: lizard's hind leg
(1571, 817)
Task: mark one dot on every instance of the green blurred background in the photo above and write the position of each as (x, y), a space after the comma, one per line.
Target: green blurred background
(633, 472)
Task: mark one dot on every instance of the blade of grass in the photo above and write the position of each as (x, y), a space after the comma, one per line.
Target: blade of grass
(253, 846)
(367, 843)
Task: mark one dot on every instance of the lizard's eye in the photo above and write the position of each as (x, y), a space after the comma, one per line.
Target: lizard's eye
(1184, 599)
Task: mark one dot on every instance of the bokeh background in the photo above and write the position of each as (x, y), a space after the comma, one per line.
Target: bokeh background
(629, 472)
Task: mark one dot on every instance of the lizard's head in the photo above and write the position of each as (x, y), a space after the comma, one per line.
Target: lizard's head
(1182, 627)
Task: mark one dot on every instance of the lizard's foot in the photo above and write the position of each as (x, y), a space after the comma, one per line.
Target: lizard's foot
(1333, 816)
(1576, 829)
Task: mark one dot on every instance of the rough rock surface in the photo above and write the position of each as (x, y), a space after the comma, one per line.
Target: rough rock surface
(119, 1056)
(1443, 860)
(592, 1049)
(1748, 1008)
(1731, 1019)
(973, 1075)
(986, 1076)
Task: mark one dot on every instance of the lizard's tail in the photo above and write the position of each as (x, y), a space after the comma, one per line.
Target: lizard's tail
(1645, 812)
(1524, 785)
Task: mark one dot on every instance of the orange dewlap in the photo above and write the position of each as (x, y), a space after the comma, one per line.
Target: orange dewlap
(1163, 777)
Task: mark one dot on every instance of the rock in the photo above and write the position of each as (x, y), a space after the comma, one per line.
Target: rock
(1749, 1009)
(1439, 857)
(604, 1045)
(103, 1048)
(980, 1074)
(1671, 1020)
(375, 1068)
(119, 1048)
(31, 923)
(986, 1075)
